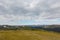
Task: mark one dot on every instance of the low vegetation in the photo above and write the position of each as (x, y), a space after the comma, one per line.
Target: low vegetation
(28, 35)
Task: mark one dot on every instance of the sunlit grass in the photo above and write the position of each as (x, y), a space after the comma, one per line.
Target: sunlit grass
(28, 35)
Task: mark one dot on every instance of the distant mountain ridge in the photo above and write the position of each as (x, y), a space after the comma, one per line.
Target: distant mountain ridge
(55, 28)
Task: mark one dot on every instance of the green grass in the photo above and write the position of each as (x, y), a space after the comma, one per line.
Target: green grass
(28, 35)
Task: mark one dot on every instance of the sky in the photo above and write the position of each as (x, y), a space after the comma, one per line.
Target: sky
(29, 12)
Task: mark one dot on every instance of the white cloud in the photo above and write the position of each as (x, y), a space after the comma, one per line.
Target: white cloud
(55, 5)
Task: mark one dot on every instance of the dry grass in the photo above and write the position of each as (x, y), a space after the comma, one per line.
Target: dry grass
(28, 35)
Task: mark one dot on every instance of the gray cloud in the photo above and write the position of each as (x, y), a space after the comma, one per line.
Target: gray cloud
(29, 9)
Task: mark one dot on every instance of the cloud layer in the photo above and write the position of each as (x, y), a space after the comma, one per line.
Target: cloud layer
(29, 11)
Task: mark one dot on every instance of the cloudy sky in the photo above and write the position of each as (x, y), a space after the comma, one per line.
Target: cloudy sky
(29, 12)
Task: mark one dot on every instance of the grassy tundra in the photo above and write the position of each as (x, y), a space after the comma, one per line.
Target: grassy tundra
(28, 35)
